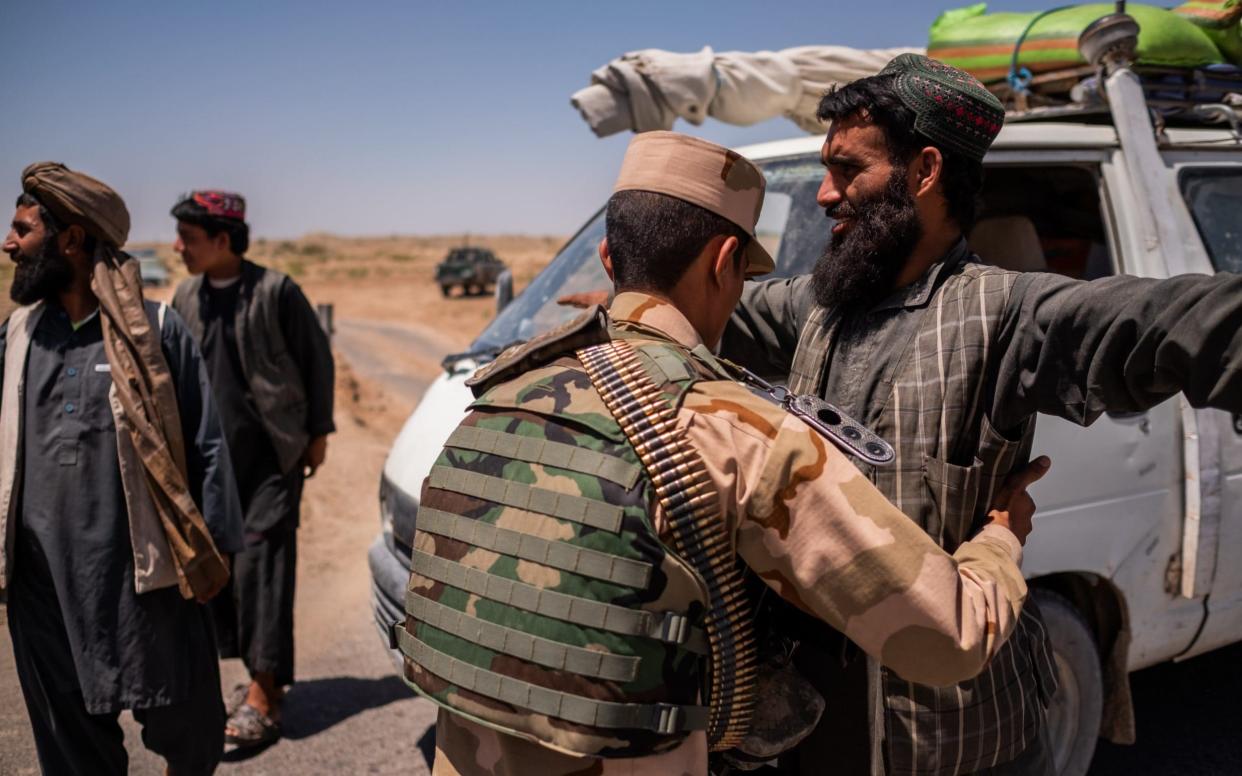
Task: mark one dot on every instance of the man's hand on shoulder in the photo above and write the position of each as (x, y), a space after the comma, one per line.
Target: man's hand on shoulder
(1013, 507)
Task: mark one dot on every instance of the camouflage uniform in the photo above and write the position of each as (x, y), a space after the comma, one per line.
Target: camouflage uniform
(799, 514)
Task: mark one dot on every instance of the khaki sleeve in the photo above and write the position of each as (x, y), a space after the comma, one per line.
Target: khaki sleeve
(822, 536)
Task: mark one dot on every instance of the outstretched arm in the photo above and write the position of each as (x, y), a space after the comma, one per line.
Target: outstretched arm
(1123, 344)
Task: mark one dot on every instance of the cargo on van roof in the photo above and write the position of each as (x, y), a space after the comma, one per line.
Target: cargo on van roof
(1188, 60)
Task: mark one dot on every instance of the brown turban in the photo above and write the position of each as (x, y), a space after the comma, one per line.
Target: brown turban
(76, 198)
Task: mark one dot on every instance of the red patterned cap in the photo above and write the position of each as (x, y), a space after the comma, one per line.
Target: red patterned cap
(221, 204)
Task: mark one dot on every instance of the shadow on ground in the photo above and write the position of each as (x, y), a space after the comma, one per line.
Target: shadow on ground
(427, 745)
(314, 705)
(1187, 720)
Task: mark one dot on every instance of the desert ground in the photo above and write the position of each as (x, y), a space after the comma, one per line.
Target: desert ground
(348, 711)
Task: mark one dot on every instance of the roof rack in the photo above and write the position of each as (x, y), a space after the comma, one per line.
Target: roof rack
(1199, 96)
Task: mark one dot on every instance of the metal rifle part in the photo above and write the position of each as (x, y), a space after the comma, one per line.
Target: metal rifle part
(828, 419)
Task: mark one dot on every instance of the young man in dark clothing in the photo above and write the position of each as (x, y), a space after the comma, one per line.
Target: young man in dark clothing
(271, 373)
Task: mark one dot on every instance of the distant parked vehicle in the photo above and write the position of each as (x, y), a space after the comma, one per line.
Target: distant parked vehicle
(474, 269)
(152, 269)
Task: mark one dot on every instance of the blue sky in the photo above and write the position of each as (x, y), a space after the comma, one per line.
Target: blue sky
(369, 117)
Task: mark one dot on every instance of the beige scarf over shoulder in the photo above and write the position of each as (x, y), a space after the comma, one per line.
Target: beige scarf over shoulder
(140, 373)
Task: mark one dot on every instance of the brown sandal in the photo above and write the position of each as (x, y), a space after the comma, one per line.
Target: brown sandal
(251, 728)
(234, 700)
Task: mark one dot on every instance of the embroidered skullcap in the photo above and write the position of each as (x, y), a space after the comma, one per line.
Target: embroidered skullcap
(952, 107)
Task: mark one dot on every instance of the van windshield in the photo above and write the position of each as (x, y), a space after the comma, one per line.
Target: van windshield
(792, 227)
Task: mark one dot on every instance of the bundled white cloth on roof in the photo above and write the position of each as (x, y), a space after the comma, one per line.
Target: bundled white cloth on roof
(651, 89)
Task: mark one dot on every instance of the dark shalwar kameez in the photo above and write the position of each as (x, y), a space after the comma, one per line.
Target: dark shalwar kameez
(86, 644)
(254, 616)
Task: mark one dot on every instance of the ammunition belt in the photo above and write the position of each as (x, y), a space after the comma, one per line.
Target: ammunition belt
(697, 532)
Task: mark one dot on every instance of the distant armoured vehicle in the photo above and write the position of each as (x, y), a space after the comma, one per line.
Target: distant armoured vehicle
(474, 269)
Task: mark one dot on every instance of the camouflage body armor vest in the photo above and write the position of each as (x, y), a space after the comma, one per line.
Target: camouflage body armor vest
(542, 602)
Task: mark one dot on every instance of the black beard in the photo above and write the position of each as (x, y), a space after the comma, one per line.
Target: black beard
(41, 277)
(861, 266)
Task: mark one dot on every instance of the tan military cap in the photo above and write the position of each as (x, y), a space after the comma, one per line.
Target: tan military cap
(703, 174)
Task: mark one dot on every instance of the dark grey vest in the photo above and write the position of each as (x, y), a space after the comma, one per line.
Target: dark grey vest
(274, 379)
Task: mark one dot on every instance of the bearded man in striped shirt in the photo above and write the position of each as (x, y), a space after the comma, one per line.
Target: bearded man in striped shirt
(949, 359)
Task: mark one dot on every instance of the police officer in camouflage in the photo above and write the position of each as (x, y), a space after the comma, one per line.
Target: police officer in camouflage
(575, 602)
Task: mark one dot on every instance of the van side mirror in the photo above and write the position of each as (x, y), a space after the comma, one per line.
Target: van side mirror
(504, 290)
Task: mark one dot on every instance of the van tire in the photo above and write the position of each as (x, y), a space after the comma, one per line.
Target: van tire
(1074, 717)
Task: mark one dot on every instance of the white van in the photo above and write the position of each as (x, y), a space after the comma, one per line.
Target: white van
(1129, 552)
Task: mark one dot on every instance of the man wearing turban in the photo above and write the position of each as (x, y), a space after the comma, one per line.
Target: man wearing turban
(117, 502)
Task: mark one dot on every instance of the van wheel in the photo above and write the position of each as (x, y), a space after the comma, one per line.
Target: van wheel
(1074, 717)
(444, 290)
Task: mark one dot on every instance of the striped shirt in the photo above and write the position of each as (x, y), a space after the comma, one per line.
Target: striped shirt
(914, 368)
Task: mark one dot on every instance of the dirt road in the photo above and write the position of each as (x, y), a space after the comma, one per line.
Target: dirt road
(402, 359)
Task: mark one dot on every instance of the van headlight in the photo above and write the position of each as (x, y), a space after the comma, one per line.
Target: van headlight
(386, 505)
(398, 512)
